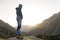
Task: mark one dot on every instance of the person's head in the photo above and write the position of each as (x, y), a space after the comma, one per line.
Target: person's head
(20, 5)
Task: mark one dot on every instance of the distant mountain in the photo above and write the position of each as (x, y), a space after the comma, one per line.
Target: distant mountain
(50, 26)
(6, 29)
(25, 28)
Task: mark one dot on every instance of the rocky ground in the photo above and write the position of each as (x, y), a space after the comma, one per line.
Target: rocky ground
(24, 38)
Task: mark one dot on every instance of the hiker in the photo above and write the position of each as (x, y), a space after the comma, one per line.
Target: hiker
(19, 19)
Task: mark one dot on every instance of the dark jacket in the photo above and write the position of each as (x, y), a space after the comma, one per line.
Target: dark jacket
(18, 12)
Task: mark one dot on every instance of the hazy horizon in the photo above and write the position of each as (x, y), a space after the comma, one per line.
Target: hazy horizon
(34, 11)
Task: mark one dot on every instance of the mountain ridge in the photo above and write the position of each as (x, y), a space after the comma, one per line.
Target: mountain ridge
(49, 26)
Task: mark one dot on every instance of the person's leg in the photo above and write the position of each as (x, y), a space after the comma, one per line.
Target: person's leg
(18, 32)
(19, 25)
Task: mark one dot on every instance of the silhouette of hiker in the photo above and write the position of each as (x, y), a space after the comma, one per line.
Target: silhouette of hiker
(19, 18)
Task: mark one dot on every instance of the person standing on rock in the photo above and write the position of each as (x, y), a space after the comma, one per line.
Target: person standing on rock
(19, 19)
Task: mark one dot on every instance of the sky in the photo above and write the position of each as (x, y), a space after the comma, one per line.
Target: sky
(34, 11)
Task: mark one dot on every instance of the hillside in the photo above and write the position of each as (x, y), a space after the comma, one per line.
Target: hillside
(6, 29)
(49, 26)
